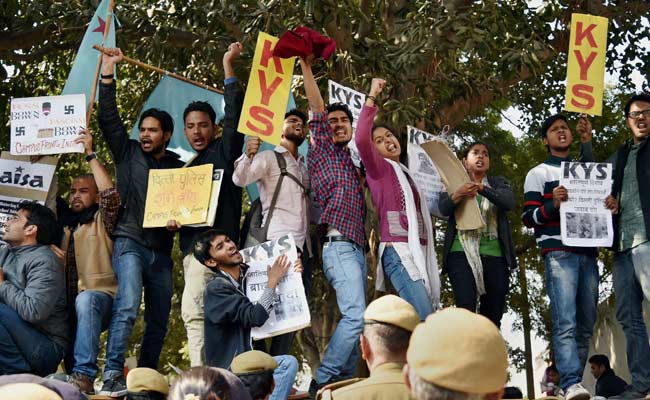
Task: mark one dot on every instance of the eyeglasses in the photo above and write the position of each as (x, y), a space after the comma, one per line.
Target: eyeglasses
(637, 114)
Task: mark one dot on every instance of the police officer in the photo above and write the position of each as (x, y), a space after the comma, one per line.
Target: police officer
(388, 323)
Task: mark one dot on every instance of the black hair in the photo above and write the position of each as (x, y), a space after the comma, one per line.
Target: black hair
(552, 367)
(386, 337)
(259, 384)
(166, 120)
(341, 107)
(377, 126)
(512, 392)
(637, 97)
(203, 242)
(298, 114)
(600, 360)
(472, 145)
(48, 230)
(200, 381)
(543, 130)
(202, 106)
(88, 176)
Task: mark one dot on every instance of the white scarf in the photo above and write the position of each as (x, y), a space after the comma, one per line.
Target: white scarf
(427, 264)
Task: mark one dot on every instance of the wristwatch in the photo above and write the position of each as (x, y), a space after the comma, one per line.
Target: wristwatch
(91, 156)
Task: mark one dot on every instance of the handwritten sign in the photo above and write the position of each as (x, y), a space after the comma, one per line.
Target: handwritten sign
(267, 92)
(423, 170)
(290, 310)
(182, 194)
(354, 100)
(586, 64)
(217, 177)
(584, 220)
(47, 125)
(21, 180)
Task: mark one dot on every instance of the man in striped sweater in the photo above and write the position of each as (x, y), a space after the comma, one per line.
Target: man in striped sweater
(571, 272)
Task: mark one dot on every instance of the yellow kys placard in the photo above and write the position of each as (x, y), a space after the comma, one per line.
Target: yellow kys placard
(586, 64)
(181, 194)
(267, 93)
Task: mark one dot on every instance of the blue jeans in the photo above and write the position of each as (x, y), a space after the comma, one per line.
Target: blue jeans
(572, 286)
(93, 311)
(345, 268)
(631, 284)
(412, 291)
(284, 376)
(137, 268)
(23, 348)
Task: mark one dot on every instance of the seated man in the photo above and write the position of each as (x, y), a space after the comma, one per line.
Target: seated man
(388, 323)
(229, 314)
(33, 317)
(608, 384)
(456, 354)
(86, 251)
(266, 377)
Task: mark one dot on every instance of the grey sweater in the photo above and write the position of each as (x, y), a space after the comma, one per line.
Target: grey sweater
(33, 287)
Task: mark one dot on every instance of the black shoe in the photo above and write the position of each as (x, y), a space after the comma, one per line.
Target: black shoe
(114, 387)
(313, 389)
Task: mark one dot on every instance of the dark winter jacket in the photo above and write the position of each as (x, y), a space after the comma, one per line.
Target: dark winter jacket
(132, 167)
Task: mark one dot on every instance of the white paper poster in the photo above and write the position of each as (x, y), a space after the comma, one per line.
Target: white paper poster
(584, 220)
(47, 125)
(290, 311)
(21, 180)
(354, 100)
(423, 169)
(217, 177)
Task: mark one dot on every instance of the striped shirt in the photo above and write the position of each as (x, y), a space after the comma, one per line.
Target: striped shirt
(539, 212)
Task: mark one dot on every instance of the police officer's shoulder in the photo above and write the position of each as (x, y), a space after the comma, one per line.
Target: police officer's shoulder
(325, 393)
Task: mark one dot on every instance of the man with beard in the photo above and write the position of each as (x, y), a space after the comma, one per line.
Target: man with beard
(571, 272)
(201, 132)
(141, 257)
(86, 253)
(290, 212)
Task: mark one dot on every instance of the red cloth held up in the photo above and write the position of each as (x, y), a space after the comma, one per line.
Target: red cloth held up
(302, 42)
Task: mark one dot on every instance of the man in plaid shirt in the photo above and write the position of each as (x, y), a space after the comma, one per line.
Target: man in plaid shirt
(336, 184)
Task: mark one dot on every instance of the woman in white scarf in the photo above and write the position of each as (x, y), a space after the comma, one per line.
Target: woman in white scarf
(479, 261)
(406, 253)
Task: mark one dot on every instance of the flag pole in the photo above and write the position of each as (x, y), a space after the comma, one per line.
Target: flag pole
(163, 72)
(107, 28)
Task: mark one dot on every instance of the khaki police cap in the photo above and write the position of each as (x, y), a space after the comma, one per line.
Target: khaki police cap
(459, 350)
(27, 391)
(253, 361)
(146, 380)
(393, 310)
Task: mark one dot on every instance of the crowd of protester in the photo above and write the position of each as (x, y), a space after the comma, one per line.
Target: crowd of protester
(69, 274)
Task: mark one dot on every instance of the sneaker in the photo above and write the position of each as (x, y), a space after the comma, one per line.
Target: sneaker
(629, 394)
(114, 387)
(577, 392)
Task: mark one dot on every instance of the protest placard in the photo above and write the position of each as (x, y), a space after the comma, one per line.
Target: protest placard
(267, 92)
(584, 220)
(586, 64)
(20, 179)
(217, 177)
(290, 310)
(182, 194)
(422, 168)
(47, 125)
(354, 100)
(453, 175)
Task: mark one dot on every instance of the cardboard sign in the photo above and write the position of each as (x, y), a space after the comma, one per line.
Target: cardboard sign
(47, 125)
(217, 177)
(354, 100)
(267, 92)
(182, 194)
(22, 180)
(584, 220)
(586, 64)
(290, 310)
(423, 169)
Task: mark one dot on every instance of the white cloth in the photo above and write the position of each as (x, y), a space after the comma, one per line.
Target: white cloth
(424, 257)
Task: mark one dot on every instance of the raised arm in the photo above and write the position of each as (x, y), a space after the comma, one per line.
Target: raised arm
(102, 179)
(232, 140)
(314, 98)
(374, 163)
(108, 117)
(584, 129)
(250, 167)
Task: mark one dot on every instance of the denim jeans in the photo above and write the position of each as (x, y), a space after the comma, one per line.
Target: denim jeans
(572, 286)
(412, 291)
(23, 348)
(284, 376)
(631, 284)
(344, 264)
(137, 268)
(93, 311)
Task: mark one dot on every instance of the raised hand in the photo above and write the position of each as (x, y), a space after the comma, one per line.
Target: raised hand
(86, 138)
(584, 129)
(252, 146)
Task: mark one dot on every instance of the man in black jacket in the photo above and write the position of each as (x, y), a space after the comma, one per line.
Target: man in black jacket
(630, 204)
(608, 384)
(201, 132)
(141, 257)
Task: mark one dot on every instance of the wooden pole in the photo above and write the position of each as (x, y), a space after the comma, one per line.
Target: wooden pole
(527, 326)
(164, 72)
(93, 92)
